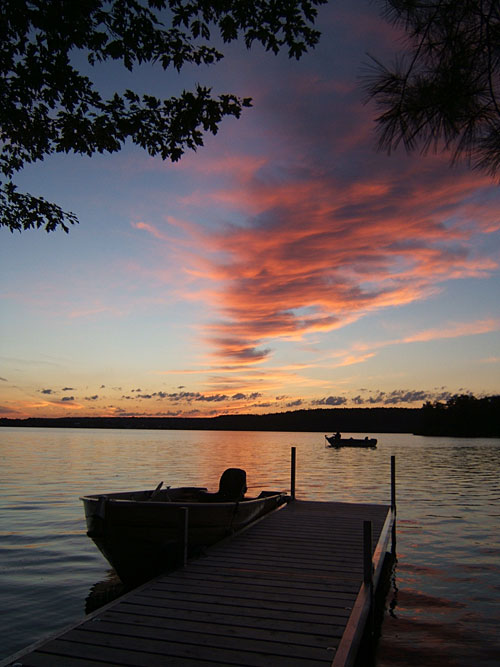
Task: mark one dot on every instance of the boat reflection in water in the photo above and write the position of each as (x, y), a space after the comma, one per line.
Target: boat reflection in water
(141, 533)
(105, 591)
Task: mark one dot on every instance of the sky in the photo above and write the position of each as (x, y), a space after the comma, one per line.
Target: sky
(285, 265)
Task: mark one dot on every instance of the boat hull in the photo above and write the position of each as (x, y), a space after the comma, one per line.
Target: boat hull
(140, 537)
(350, 442)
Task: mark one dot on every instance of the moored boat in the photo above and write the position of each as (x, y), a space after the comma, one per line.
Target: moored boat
(138, 532)
(337, 441)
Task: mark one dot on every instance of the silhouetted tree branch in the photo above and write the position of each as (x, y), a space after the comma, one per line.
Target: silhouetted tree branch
(443, 90)
(48, 106)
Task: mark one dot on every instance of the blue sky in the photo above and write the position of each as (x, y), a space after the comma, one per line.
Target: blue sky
(284, 264)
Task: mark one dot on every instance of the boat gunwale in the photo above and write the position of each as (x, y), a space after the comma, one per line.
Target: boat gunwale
(175, 503)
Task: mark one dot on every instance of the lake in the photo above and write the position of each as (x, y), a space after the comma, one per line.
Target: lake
(442, 606)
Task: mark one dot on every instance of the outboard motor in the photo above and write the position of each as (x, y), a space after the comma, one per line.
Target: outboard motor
(232, 487)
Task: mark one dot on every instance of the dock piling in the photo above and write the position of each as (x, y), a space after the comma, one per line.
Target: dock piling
(393, 483)
(393, 504)
(293, 471)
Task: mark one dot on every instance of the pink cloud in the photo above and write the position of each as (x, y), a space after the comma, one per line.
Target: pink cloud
(151, 229)
(455, 330)
(325, 229)
(360, 352)
(226, 163)
(319, 253)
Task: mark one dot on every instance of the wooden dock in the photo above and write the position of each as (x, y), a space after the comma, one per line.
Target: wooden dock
(290, 591)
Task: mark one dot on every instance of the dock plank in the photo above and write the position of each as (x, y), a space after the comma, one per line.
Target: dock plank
(302, 635)
(276, 624)
(250, 599)
(202, 637)
(287, 592)
(298, 614)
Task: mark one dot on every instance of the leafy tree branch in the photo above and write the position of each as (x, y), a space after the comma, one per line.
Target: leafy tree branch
(48, 106)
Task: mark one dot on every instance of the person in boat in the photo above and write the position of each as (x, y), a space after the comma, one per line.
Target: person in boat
(337, 435)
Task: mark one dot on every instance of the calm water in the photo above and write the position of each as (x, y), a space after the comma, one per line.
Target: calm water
(442, 608)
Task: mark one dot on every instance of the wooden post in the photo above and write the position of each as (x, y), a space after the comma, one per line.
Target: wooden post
(393, 483)
(293, 468)
(367, 553)
(393, 505)
(182, 543)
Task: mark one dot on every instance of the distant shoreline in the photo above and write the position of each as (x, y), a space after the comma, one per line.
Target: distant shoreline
(355, 420)
(426, 420)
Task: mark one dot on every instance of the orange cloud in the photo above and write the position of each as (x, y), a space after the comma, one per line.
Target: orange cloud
(351, 359)
(320, 253)
(455, 330)
(360, 352)
(324, 231)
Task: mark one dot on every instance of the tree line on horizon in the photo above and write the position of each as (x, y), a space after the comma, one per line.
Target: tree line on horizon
(461, 415)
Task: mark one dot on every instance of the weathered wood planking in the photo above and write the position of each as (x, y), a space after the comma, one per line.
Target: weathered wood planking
(287, 592)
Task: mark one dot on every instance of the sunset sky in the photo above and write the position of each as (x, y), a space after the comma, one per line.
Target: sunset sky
(287, 264)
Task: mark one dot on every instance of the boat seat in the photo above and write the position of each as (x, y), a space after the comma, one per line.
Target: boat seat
(232, 487)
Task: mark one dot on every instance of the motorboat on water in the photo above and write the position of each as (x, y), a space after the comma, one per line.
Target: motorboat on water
(138, 532)
(336, 440)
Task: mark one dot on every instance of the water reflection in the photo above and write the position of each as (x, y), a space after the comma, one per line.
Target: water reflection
(386, 590)
(442, 604)
(104, 591)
